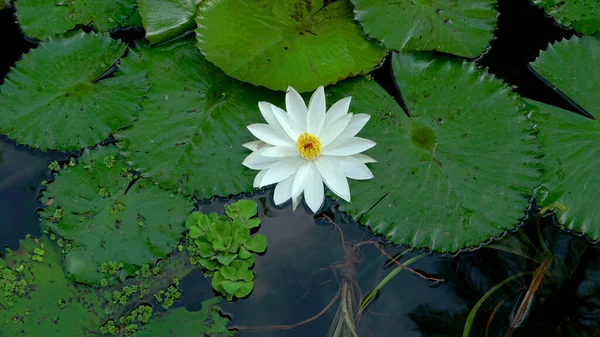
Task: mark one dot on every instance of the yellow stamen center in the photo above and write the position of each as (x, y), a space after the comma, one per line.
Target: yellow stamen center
(309, 146)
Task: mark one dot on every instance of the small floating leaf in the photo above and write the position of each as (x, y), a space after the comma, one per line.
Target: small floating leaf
(53, 99)
(462, 28)
(105, 230)
(167, 19)
(581, 15)
(457, 173)
(43, 18)
(570, 141)
(269, 43)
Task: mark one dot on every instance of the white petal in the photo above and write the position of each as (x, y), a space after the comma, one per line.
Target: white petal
(364, 158)
(354, 169)
(334, 129)
(314, 193)
(295, 106)
(283, 191)
(356, 124)
(296, 202)
(300, 178)
(257, 161)
(348, 147)
(266, 110)
(259, 177)
(255, 145)
(316, 112)
(333, 177)
(290, 126)
(270, 135)
(281, 170)
(281, 152)
(337, 110)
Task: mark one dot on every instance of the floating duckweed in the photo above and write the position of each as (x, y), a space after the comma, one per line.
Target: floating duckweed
(103, 193)
(109, 161)
(111, 268)
(57, 214)
(72, 162)
(118, 207)
(166, 298)
(54, 166)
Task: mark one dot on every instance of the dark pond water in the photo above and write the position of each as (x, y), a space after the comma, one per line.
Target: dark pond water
(298, 276)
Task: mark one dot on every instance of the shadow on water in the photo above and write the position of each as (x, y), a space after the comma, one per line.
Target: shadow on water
(295, 281)
(21, 173)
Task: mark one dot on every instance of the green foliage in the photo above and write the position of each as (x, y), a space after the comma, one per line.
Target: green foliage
(179, 322)
(581, 15)
(167, 19)
(103, 227)
(269, 43)
(43, 18)
(438, 181)
(222, 246)
(462, 28)
(568, 140)
(36, 298)
(81, 109)
(189, 136)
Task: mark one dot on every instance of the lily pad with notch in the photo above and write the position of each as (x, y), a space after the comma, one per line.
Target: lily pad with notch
(109, 219)
(268, 43)
(570, 141)
(458, 172)
(58, 97)
(464, 28)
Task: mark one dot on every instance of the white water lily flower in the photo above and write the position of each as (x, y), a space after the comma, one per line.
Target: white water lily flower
(303, 148)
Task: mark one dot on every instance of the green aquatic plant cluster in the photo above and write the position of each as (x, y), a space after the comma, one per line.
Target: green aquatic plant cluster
(223, 247)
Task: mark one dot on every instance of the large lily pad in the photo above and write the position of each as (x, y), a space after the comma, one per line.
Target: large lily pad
(182, 323)
(189, 136)
(570, 141)
(581, 15)
(462, 28)
(51, 305)
(43, 18)
(167, 19)
(459, 171)
(55, 97)
(280, 43)
(109, 221)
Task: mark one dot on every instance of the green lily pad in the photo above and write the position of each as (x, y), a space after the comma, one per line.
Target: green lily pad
(43, 18)
(571, 66)
(462, 28)
(569, 141)
(167, 19)
(107, 221)
(581, 15)
(77, 111)
(51, 305)
(277, 44)
(182, 323)
(189, 136)
(460, 171)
